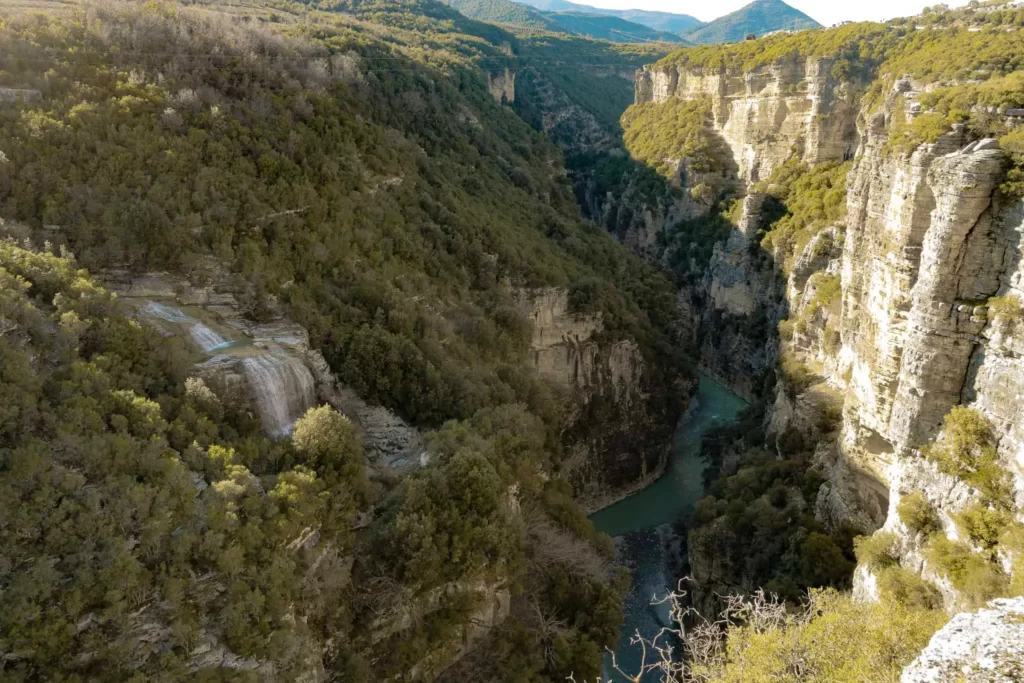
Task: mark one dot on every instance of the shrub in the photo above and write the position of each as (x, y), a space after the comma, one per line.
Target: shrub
(907, 588)
(1013, 143)
(327, 438)
(1007, 310)
(834, 639)
(797, 375)
(1013, 544)
(975, 577)
(878, 551)
(831, 340)
(983, 525)
(966, 449)
(827, 289)
(918, 513)
(822, 562)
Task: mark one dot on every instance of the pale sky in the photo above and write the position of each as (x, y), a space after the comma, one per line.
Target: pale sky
(827, 12)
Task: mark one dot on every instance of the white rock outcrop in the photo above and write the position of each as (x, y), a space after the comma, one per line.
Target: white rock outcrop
(765, 113)
(986, 646)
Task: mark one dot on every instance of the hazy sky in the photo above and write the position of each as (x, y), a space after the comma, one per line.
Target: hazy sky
(827, 12)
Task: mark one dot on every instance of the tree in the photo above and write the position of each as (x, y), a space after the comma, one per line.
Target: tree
(328, 442)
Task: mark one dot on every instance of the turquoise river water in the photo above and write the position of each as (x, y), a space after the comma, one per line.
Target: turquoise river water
(641, 524)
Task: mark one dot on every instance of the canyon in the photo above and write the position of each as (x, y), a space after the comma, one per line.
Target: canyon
(927, 239)
(371, 393)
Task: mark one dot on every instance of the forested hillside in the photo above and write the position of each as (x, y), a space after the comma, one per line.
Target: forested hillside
(514, 15)
(509, 13)
(659, 21)
(758, 18)
(350, 168)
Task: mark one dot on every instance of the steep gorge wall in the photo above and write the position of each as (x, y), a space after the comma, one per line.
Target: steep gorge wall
(767, 114)
(928, 239)
(618, 434)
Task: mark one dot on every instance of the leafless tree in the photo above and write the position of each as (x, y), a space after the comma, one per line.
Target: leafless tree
(693, 648)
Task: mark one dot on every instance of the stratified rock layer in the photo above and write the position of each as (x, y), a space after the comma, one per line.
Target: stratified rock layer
(767, 113)
(619, 434)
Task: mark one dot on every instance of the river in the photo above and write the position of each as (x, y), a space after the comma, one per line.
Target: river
(641, 524)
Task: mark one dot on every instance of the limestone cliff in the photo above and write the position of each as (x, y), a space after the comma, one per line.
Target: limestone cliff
(730, 310)
(926, 241)
(619, 432)
(883, 319)
(767, 114)
(265, 368)
(795, 109)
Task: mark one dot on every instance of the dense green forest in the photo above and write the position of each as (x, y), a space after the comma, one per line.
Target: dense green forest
(401, 217)
(351, 166)
(345, 162)
(135, 497)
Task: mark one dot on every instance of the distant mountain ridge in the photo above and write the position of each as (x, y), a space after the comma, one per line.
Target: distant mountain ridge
(659, 21)
(589, 24)
(607, 27)
(759, 17)
(635, 25)
(506, 12)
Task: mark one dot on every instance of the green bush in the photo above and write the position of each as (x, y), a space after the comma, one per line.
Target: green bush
(834, 639)
(908, 589)
(1007, 311)
(918, 513)
(879, 551)
(983, 525)
(797, 375)
(966, 449)
(976, 577)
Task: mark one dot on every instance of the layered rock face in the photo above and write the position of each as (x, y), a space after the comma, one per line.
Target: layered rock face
(619, 435)
(927, 241)
(266, 368)
(766, 116)
(502, 86)
(907, 333)
(769, 113)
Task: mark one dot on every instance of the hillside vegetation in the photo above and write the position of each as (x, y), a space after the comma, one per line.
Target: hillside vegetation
(659, 21)
(353, 168)
(615, 29)
(591, 25)
(508, 12)
(759, 17)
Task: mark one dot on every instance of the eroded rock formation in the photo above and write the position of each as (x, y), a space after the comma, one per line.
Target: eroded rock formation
(619, 434)
(768, 114)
